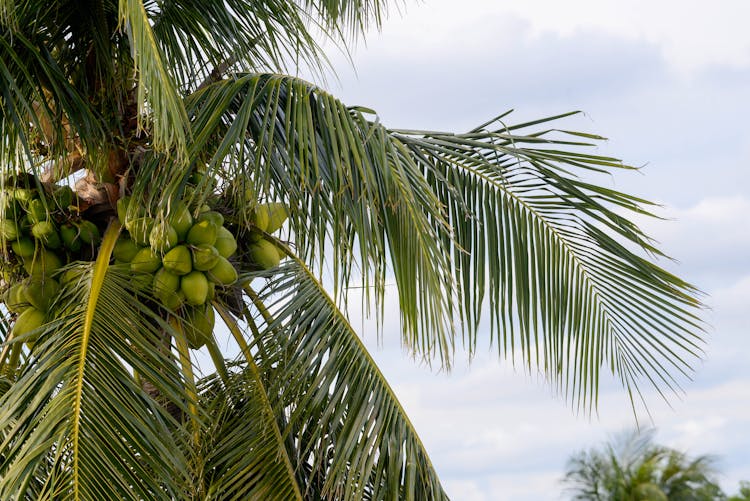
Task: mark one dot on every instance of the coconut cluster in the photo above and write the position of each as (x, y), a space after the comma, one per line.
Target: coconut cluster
(182, 259)
(179, 260)
(39, 235)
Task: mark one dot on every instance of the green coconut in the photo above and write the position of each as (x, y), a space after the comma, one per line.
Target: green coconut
(125, 249)
(88, 232)
(264, 254)
(163, 237)
(195, 287)
(43, 262)
(204, 257)
(28, 321)
(172, 300)
(165, 282)
(181, 220)
(202, 232)
(277, 215)
(15, 299)
(63, 196)
(70, 238)
(146, 260)
(23, 194)
(254, 236)
(225, 243)
(198, 325)
(166, 286)
(70, 277)
(212, 216)
(40, 293)
(178, 260)
(8, 230)
(223, 273)
(23, 247)
(46, 233)
(259, 218)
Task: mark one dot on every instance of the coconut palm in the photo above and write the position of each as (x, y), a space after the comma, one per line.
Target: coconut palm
(743, 494)
(189, 106)
(633, 468)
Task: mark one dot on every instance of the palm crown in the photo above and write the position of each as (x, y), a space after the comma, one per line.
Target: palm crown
(632, 467)
(183, 106)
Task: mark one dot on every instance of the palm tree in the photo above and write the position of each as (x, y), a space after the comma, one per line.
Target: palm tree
(176, 109)
(633, 468)
(743, 494)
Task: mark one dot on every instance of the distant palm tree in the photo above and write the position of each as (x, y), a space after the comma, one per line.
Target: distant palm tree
(185, 108)
(743, 494)
(633, 468)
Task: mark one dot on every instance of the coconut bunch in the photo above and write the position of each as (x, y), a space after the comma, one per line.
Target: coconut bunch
(179, 260)
(39, 234)
(184, 258)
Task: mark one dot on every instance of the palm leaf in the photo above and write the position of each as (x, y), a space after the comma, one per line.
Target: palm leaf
(76, 425)
(254, 35)
(244, 456)
(65, 73)
(493, 217)
(227, 34)
(355, 184)
(343, 427)
(159, 101)
(34, 89)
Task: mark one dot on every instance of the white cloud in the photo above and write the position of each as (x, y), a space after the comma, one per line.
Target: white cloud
(735, 299)
(691, 34)
(520, 487)
(465, 490)
(725, 211)
(710, 239)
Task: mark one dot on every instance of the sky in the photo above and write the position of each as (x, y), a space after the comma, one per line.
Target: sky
(668, 83)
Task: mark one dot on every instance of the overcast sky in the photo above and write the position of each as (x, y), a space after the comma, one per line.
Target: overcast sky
(669, 83)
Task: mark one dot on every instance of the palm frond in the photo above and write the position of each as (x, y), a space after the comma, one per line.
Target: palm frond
(255, 35)
(558, 253)
(65, 75)
(36, 92)
(159, 101)
(250, 34)
(352, 16)
(343, 180)
(494, 217)
(343, 426)
(244, 455)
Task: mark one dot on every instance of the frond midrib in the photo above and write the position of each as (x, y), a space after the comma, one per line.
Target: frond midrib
(97, 279)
